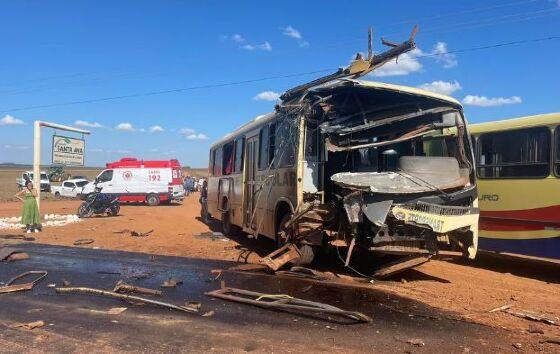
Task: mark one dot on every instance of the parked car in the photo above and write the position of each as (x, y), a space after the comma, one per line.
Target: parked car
(28, 175)
(70, 188)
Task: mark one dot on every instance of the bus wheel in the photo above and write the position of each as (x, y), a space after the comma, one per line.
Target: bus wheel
(282, 237)
(152, 200)
(228, 229)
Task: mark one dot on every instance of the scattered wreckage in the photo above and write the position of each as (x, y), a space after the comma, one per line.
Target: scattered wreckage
(378, 168)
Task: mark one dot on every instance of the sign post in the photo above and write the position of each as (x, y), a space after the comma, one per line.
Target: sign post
(69, 150)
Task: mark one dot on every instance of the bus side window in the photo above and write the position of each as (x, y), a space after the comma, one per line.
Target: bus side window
(272, 143)
(218, 161)
(263, 148)
(523, 153)
(557, 151)
(239, 147)
(227, 163)
(285, 143)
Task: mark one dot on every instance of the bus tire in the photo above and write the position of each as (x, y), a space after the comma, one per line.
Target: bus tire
(307, 255)
(152, 199)
(307, 252)
(228, 229)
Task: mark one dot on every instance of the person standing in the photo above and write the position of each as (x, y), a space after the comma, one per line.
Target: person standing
(30, 213)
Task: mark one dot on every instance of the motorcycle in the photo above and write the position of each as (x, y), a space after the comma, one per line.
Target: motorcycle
(99, 203)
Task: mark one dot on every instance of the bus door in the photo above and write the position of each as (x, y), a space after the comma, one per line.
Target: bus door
(251, 185)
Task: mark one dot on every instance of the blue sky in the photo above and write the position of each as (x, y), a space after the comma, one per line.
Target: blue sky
(58, 52)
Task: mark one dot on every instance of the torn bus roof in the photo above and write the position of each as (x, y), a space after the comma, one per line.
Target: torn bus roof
(374, 85)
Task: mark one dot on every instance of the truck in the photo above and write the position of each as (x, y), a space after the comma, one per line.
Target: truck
(71, 188)
(28, 175)
(140, 181)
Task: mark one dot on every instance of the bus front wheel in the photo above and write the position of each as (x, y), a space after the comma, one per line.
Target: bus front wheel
(307, 252)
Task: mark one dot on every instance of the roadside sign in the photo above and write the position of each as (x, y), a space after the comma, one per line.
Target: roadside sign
(68, 151)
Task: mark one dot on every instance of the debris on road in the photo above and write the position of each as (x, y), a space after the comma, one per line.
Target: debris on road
(17, 256)
(30, 325)
(551, 340)
(501, 308)
(214, 236)
(307, 273)
(208, 314)
(134, 233)
(533, 316)
(416, 342)
(122, 287)
(401, 265)
(281, 256)
(111, 311)
(111, 294)
(140, 234)
(249, 267)
(10, 287)
(10, 254)
(171, 283)
(83, 241)
(283, 302)
(194, 304)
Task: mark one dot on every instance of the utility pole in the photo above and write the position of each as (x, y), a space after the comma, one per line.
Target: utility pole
(37, 150)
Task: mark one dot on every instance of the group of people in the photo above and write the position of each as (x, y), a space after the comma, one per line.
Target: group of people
(192, 184)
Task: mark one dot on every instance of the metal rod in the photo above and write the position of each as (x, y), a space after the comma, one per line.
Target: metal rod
(105, 293)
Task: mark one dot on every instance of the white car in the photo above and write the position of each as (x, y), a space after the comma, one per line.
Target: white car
(28, 175)
(70, 188)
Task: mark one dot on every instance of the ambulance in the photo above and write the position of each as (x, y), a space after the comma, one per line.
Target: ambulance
(141, 181)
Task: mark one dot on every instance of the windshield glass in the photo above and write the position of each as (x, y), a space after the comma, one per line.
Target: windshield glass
(82, 183)
(30, 176)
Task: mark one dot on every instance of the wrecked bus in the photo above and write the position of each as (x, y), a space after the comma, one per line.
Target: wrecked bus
(381, 168)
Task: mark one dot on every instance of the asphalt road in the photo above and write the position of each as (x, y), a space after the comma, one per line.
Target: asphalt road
(74, 323)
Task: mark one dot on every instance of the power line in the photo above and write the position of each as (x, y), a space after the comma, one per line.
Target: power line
(491, 21)
(241, 82)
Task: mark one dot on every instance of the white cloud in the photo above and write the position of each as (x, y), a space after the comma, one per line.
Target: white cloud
(186, 131)
(191, 134)
(16, 147)
(442, 55)
(407, 63)
(84, 123)
(127, 127)
(267, 96)
(483, 101)
(156, 129)
(265, 46)
(443, 87)
(248, 47)
(196, 136)
(123, 151)
(237, 38)
(95, 150)
(154, 150)
(292, 32)
(10, 120)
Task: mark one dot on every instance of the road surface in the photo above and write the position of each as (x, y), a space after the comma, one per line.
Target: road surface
(74, 323)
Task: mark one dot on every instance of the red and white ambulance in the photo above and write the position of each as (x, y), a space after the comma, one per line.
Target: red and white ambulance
(133, 180)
